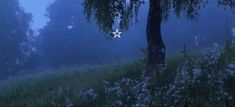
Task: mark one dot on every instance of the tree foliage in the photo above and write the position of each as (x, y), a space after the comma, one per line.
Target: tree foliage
(110, 12)
(107, 11)
(15, 33)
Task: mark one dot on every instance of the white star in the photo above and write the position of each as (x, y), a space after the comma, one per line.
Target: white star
(117, 34)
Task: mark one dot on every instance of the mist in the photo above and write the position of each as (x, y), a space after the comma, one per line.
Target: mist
(176, 31)
(160, 53)
(61, 35)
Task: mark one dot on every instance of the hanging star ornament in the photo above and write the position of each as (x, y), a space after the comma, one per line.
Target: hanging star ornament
(117, 34)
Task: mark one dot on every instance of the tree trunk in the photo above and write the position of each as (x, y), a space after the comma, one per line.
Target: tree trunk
(156, 47)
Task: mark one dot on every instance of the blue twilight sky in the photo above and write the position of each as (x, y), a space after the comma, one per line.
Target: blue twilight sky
(38, 9)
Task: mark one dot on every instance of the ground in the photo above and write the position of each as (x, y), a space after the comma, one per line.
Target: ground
(70, 87)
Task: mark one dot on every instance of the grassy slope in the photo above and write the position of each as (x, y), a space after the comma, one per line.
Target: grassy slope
(40, 89)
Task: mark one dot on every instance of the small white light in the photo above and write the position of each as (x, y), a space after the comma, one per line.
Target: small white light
(233, 31)
(70, 27)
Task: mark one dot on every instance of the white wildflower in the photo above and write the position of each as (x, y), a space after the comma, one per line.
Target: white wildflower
(213, 55)
(196, 72)
(232, 66)
(60, 91)
(69, 103)
(230, 71)
(89, 94)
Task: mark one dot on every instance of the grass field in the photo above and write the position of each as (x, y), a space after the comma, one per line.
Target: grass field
(58, 88)
(41, 89)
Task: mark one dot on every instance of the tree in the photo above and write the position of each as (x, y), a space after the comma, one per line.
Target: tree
(110, 13)
(15, 33)
(57, 39)
(227, 3)
(63, 42)
(106, 13)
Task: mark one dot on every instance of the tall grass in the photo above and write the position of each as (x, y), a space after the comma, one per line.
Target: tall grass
(42, 89)
(85, 86)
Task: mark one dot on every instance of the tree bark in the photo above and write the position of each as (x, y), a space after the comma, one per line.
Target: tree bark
(156, 47)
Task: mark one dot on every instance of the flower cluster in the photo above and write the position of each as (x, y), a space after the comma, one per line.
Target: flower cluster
(212, 56)
(128, 92)
(68, 103)
(90, 95)
(230, 71)
(203, 82)
(62, 97)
